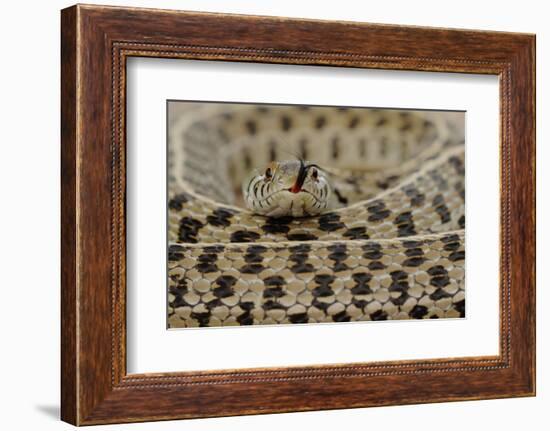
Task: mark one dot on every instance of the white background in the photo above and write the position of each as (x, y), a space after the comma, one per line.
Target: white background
(29, 227)
(151, 348)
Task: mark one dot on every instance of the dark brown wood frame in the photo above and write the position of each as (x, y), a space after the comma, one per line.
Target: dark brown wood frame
(95, 43)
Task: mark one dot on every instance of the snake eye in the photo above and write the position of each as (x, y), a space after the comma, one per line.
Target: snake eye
(314, 174)
(268, 174)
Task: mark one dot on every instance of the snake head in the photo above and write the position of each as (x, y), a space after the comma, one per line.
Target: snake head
(289, 188)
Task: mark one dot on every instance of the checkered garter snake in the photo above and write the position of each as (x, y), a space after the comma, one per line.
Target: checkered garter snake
(293, 214)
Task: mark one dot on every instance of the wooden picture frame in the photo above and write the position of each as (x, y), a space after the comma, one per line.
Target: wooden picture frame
(96, 41)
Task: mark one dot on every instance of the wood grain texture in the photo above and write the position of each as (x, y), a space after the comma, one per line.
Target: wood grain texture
(69, 331)
(96, 41)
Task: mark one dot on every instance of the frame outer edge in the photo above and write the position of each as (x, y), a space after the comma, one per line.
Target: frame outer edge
(523, 216)
(533, 56)
(532, 82)
(69, 197)
(527, 64)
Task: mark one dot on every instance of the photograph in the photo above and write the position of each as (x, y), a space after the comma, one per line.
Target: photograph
(289, 214)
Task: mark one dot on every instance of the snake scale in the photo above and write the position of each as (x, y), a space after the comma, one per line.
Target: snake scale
(388, 246)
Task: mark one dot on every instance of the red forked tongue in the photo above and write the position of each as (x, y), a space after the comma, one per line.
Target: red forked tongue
(302, 173)
(296, 187)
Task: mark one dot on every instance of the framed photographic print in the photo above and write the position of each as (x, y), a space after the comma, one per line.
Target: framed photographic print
(306, 210)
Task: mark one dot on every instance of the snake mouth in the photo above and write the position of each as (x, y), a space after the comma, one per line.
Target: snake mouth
(278, 192)
(291, 203)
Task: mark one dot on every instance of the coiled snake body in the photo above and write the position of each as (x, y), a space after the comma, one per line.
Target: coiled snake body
(388, 243)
